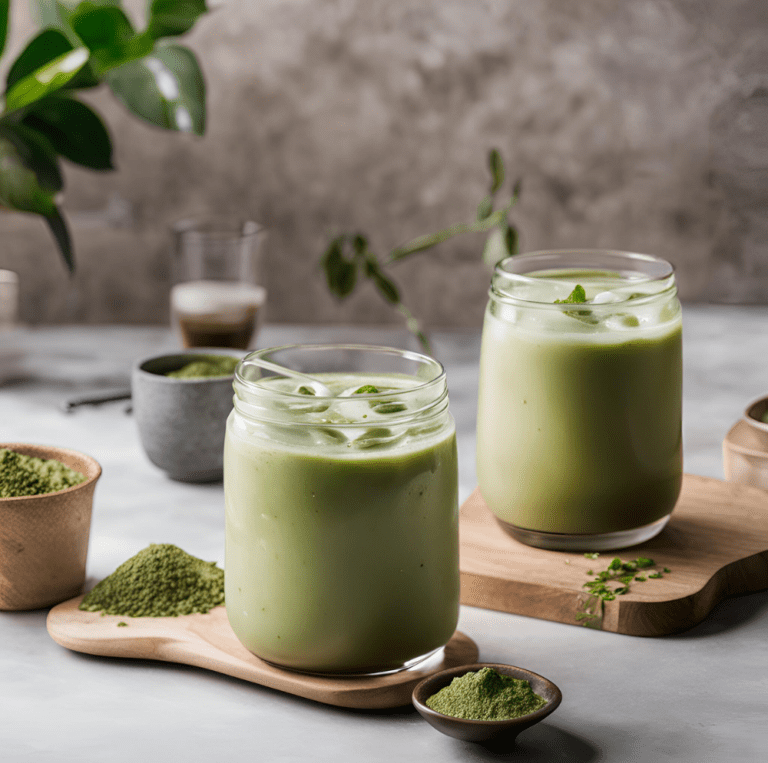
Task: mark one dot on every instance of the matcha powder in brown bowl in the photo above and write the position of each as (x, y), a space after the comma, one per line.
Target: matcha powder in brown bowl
(160, 581)
(22, 475)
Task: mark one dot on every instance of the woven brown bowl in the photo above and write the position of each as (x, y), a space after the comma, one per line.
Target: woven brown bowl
(44, 538)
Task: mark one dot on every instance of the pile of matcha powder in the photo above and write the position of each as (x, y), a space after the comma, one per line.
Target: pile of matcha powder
(486, 695)
(206, 366)
(160, 581)
(26, 475)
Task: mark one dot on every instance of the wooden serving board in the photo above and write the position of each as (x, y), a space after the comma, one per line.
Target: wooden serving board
(716, 545)
(207, 641)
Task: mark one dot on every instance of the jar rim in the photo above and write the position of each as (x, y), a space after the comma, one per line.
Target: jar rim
(526, 269)
(437, 378)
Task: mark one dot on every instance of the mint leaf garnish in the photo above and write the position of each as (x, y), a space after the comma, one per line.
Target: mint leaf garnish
(577, 297)
(366, 389)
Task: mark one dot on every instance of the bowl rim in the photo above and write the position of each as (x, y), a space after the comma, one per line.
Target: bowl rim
(49, 452)
(445, 676)
(750, 419)
(138, 366)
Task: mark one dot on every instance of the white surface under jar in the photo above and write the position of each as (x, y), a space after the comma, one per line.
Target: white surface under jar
(342, 510)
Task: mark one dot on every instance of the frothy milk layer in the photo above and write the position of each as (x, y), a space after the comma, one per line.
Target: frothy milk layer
(209, 297)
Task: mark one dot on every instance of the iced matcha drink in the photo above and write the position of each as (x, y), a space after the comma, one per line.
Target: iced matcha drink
(579, 418)
(341, 521)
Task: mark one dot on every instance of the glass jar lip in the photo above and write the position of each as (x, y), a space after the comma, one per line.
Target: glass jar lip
(439, 378)
(516, 268)
(212, 227)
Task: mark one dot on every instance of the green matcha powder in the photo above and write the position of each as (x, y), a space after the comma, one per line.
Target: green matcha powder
(206, 366)
(160, 581)
(26, 475)
(486, 695)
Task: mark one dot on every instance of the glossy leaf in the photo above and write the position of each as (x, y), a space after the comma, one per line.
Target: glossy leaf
(496, 166)
(4, 8)
(165, 88)
(74, 130)
(109, 35)
(169, 18)
(19, 186)
(58, 227)
(49, 44)
(36, 153)
(45, 80)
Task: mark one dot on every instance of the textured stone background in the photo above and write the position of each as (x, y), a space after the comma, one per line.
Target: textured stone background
(636, 125)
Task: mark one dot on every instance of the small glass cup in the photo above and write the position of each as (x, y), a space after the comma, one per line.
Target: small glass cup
(579, 425)
(216, 300)
(341, 509)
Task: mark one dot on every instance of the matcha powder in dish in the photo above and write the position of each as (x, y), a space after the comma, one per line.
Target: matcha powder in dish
(160, 581)
(486, 695)
(22, 475)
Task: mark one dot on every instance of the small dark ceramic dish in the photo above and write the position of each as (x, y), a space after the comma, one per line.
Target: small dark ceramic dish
(484, 731)
(753, 415)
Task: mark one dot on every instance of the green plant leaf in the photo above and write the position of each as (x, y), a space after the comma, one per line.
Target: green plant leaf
(166, 88)
(170, 18)
(74, 130)
(109, 35)
(485, 208)
(36, 153)
(45, 80)
(21, 190)
(511, 239)
(58, 227)
(4, 7)
(387, 287)
(495, 249)
(49, 44)
(496, 166)
(340, 273)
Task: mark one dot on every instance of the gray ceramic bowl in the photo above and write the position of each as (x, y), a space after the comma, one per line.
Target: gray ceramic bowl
(484, 731)
(182, 421)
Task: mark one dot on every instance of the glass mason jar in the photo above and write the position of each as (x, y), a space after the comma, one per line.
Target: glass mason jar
(341, 493)
(579, 426)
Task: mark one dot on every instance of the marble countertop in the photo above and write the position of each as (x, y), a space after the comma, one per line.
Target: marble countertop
(697, 696)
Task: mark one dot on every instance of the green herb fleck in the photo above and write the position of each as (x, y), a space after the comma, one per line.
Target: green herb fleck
(593, 555)
(603, 587)
(306, 390)
(121, 624)
(577, 297)
(486, 695)
(666, 569)
(366, 389)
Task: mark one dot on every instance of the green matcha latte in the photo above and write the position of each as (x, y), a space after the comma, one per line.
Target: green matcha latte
(579, 427)
(342, 512)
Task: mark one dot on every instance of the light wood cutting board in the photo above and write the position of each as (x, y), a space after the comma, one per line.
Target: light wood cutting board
(207, 641)
(716, 545)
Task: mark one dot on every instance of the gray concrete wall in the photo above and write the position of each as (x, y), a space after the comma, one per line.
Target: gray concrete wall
(636, 125)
